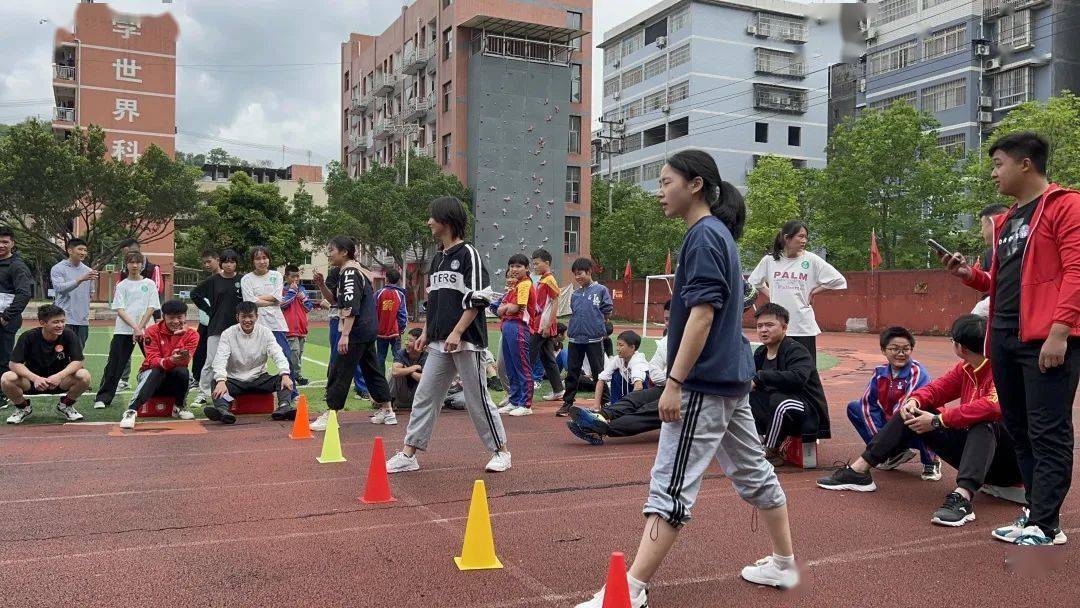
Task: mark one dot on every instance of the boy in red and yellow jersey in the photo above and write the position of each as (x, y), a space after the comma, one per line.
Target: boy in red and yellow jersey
(545, 326)
(518, 310)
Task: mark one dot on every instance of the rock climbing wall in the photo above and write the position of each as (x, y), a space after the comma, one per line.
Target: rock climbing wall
(518, 138)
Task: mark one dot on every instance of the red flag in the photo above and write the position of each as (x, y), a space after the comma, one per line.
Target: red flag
(667, 264)
(627, 275)
(875, 255)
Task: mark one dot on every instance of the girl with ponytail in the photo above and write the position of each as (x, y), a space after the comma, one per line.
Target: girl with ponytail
(708, 382)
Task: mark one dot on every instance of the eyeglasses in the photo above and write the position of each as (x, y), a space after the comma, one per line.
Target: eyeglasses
(903, 350)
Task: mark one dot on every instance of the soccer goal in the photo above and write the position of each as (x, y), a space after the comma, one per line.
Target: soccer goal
(668, 280)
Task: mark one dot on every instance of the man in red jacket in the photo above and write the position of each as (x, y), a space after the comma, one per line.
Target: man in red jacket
(1034, 337)
(969, 436)
(169, 344)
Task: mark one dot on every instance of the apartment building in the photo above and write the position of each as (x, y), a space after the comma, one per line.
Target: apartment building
(738, 78)
(496, 91)
(969, 62)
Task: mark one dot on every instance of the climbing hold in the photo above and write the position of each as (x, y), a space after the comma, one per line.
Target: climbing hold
(492, 188)
(546, 239)
(551, 202)
(504, 210)
(543, 163)
(495, 226)
(556, 109)
(548, 118)
(507, 199)
(502, 236)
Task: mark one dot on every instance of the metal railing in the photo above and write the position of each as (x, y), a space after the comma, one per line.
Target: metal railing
(780, 66)
(381, 84)
(780, 101)
(522, 49)
(417, 59)
(996, 8)
(64, 114)
(384, 127)
(64, 72)
(417, 107)
(428, 150)
(357, 142)
(359, 104)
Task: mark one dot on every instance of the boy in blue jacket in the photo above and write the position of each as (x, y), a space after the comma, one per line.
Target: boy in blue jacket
(590, 307)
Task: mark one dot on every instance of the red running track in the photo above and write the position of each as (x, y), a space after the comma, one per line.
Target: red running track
(242, 516)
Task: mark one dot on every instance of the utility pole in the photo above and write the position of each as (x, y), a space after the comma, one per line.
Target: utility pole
(616, 129)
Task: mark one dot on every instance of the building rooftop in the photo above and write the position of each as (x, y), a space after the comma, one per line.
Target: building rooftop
(308, 173)
(774, 6)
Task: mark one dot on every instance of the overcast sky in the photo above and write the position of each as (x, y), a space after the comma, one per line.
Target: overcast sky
(260, 72)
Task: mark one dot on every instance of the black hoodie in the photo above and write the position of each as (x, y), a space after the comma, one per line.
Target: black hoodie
(796, 375)
(15, 278)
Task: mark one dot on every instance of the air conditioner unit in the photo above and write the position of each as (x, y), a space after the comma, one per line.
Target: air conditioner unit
(616, 63)
(986, 117)
(986, 101)
(752, 30)
(982, 50)
(666, 109)
(862, 85)
(661, 42)
(992, 64)
(871, 33)
(615, 95)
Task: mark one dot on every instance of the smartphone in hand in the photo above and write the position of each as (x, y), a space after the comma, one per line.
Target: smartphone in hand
(938, 247)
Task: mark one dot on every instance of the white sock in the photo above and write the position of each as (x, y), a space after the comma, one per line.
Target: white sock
(784, 562)
(635, 585)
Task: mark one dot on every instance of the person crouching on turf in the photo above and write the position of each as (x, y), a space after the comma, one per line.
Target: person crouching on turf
(889, 387)
(627, 371)
(516, 309)
(406, 372)
(787, 397)
(240, 367)
(46, 360)
(169, 344)
(969, 436)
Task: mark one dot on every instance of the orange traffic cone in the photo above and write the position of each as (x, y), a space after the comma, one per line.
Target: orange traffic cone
(617, 591)
(377, 488)
(300, 429)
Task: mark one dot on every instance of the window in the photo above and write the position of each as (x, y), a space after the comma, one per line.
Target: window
(1012, 87)
(631, 77)
(346, 88)
(761, 132)
(575, 135)
(784, 27)
(573, 184)
(653, 101)
(1014, 30)
(631, 175)
(932, 3)
(953, 144)
(783, 99)
(446, 149)
(631, 143)
(447, 42)
(575, 83)
(794, 136)
(653, 136)
(678, 92)
(944, 96)
(654, 31)
(679, 56)
(632, 43)
(781, 63)
(680, 20)
(891, 10)
(890, 60)
(447, 3)
(574, 21)
(611, 86)
(944, 42)
(611, 54)
(909, 98)
(632, 109)
(650, 172)
(655, 67)
(570, 234)
(679, 128)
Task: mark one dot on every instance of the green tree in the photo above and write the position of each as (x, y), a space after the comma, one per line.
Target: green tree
(218, 156)
(886, 173)
(776, 193)
(189, 158)
(1058, 120)
(635, 230)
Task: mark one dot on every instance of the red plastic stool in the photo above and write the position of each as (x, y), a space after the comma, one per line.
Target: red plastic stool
(157, 407)
(799, 454)
(253, 403)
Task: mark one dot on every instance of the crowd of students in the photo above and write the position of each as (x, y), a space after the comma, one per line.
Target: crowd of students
(1009, 433)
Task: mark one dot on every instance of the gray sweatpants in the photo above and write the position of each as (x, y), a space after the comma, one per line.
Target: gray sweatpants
(711, 426)
(206, 380)
(439, 371)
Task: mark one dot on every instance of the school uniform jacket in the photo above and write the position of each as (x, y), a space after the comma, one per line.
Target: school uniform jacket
(457, 281)
(797, 376)
(160, 343)
(888, 392)
(973, 386)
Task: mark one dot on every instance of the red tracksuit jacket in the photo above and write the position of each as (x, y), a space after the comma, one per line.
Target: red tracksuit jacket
(160, 344)
(1049, 268)
(974, 387)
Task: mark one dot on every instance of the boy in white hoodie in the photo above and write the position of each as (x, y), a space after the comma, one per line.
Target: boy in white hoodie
(240, 367)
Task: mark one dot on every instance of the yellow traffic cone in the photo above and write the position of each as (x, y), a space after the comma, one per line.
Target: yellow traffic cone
(478, 550)
(331, 445)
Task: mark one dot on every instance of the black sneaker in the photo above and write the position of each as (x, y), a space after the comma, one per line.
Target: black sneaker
(582, 434)
(563, 411)
(219, 414)
(589, 420)
(494, 384)
(847, 478)
(955, 512)
(285, 411)
(302, 382)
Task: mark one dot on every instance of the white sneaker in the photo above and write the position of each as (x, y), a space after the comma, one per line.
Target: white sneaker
(521, 411)
(122, 386)
(766, 572)
(128, 421)
(20, 414)
(400, 463)
(100, 405)
(506, 407)
(537, 385)
(1011, 532)
(182, 413)
(498, 463)
(200, 402)
(68, 412)
(554, 396)
(383, 417)
(319, 424)
(503, 403)
(641, 600)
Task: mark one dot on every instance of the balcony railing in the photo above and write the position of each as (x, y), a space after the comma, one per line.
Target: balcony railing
(63, 72)
(995, 8)
(384, 127)
(359, 104)
(535, 51)
(357, 142)
(781, 100)
(383, 84)
(417, 107)
(428, 150)
(417, 59)
(781, 67)
(64, 114)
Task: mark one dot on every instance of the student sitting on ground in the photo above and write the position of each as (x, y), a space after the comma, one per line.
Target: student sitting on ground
(787, 397)
(169, 344)
(626, 372)
(46, 360)
(240, 367)
(969, 436)
(406, 371)
(889, 389)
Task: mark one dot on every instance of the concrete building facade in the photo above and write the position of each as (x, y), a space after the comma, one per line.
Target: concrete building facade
(968, 63)
(496, 91)
(737, 78)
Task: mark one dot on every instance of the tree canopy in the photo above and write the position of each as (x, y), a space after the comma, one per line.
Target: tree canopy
(635, 230)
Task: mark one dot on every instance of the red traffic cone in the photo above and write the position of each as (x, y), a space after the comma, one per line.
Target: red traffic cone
(617, 591)
(377, 488)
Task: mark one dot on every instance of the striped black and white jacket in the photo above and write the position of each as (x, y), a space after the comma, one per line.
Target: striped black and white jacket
(457, 281)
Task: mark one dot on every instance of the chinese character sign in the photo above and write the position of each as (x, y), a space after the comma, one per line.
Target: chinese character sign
(124, 149)
(127, 70)
(126, 108)
(126, 27)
